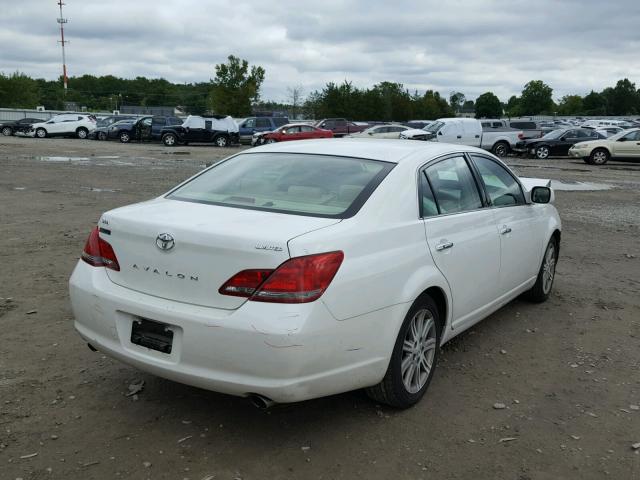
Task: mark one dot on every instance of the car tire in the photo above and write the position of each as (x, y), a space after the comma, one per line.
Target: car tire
(41, 133)
(599, 156)
(500, 149)
(400, 388)
(102, 136)
(169, 140)
(542, 152)
(124, 137)
(221, 141)
(587, 160)
(547, 273)
(7, 131)
(82, 133)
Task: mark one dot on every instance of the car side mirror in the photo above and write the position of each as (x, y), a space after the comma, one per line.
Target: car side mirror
(439, 133)
(540, 194)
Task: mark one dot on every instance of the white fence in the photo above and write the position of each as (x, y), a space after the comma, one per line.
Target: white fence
(8, 114)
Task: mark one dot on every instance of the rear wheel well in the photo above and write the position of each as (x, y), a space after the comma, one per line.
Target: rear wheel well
(440, 299)
(556, 235)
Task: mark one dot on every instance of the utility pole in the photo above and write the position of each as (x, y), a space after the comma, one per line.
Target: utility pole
(62, 42)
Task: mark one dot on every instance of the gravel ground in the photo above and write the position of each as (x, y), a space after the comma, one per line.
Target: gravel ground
(567, 371)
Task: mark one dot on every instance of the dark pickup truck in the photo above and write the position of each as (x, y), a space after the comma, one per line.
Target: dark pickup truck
(340, 126)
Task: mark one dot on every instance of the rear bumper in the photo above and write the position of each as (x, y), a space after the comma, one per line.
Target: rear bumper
(287, 353)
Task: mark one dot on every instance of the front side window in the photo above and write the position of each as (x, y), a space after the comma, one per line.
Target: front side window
(453, 185)
(293, 183)
(251, 123)
(500, 185)
(632, 136)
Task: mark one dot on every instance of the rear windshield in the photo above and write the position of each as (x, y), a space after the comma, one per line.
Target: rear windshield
(293, 183)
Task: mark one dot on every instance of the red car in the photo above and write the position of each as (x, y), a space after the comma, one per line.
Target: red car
(292, 131)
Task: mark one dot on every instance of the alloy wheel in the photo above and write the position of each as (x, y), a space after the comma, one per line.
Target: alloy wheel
(418, 351)
(599, 157)
(542, 153)
(6, 131)
(548, 268)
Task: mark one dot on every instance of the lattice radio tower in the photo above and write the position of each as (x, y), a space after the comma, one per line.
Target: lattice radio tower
(62, 42)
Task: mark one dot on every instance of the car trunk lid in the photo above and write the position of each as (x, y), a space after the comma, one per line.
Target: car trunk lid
(185, 251)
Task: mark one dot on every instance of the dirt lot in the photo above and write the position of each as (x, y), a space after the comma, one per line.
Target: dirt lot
(568, 370)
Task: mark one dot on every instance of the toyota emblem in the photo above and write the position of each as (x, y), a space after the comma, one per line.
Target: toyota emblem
(165, 242)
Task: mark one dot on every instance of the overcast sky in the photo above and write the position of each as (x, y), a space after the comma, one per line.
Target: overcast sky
(470, 46)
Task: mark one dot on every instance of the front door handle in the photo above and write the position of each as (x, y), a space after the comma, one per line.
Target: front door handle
(459, 136)
(504, 230)
(443, 246)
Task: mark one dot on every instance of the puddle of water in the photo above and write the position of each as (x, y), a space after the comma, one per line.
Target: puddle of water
(94, 189)
(572, 185)
(19, 188)
(63, 159)
(108, 156)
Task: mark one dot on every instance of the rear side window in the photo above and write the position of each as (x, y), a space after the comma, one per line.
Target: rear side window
(453, 185)
(299, 184)
(501, 187)
(428, 206)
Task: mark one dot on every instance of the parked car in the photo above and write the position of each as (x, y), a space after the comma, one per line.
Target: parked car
(220, 130)
(340, 126)
(625, 144)
(10, 127)
(101, 132)
(556, 143)
(466, 131)
(65, 125)
(292, 131)
(609, 131)
(381, 131)
(142, 129)
(251, 125)
(272, 247)
(529, 128)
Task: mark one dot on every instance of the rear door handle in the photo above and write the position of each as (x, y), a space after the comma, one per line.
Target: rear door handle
(459, 136)
(504, 230)
(443, 246)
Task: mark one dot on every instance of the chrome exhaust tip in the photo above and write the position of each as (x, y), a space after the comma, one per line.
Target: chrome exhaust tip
(261, 402)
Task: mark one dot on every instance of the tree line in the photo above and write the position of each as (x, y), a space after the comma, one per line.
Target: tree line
(235, 90)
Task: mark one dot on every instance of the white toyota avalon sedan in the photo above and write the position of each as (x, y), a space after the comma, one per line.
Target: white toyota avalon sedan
(303, 269)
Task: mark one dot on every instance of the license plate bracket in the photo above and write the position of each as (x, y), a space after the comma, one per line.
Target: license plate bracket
(153, 335)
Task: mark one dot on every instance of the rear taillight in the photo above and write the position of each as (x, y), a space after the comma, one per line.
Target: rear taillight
(245, 283)
(298, 280)
(99, 253)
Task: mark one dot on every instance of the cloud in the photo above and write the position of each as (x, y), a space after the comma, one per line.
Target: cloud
(462, 45)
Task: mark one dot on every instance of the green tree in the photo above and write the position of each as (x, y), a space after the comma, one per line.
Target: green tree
(488, 106)
(236, 87)
(18, 91)
(536, 98)
(621, 99)
(456, 100)
(594, 104)
(571, 105)
(512, 108)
